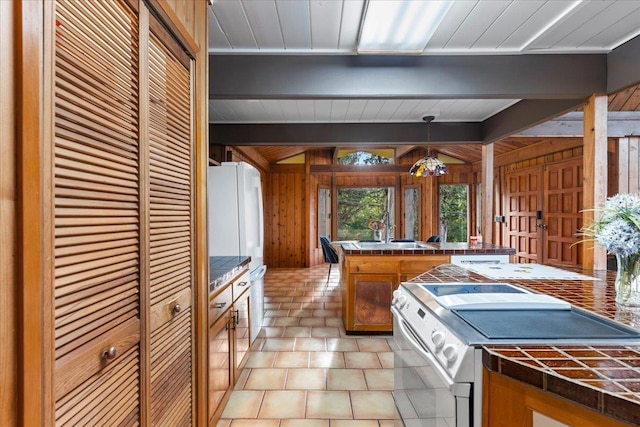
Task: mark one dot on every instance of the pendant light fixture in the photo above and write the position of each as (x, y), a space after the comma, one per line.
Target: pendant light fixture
(429, 166)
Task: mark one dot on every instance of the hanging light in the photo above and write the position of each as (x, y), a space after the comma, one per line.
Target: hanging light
(429, 166)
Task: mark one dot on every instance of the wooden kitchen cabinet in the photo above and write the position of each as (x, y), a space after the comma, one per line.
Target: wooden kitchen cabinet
(367, 284)
(507, 402)
(229, 340)
(221, 367)
(119, 190)
(369, 299)
(241, 339)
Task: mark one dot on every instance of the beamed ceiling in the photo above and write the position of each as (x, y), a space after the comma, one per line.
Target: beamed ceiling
(285, 76)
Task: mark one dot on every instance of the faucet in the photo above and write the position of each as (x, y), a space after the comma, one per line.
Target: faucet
(386, 220)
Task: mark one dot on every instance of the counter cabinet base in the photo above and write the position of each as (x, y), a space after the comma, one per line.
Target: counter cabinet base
(368, 282)
(507, 402)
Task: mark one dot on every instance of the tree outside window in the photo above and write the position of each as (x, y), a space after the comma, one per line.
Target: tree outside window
(454, 210)
(374, 157)
(360, 212)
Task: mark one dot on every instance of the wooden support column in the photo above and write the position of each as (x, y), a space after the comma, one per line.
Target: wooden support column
(487, 193)
(595, 174)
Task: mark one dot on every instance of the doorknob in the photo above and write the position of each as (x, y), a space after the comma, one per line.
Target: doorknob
(543, 226)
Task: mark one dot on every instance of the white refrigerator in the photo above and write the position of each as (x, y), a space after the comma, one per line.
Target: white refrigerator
(236, 225)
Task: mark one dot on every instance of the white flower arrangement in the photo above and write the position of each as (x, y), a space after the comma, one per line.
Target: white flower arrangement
(618, 231)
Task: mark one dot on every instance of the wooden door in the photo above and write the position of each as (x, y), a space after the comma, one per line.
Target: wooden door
(523, 200)
(96, 233)
(562, 217)
(170, 224)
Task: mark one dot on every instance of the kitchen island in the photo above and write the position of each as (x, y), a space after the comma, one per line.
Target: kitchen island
(602, 382)
(371, 271)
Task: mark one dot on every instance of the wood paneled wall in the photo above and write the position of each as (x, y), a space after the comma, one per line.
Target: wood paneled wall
(288, 204)
(629, 165)
(291, 203)
(285, 212)
(549, 151)
(289, 246)
(8, 250)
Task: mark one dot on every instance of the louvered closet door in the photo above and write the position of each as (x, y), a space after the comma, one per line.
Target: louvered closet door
(171, 221)
(97, 234)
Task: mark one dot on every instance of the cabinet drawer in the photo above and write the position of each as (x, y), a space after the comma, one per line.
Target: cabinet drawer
(219, 304)
(418, 266)
(374, 265)
(241, 284)
(167, 309)
(94, 357)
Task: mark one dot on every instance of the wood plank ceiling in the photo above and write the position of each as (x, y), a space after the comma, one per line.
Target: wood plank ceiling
(625, 100)
(473, 28)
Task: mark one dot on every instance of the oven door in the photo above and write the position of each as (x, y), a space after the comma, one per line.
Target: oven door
(424, 393)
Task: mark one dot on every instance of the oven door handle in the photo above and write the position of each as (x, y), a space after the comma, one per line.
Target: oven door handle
(458, 389)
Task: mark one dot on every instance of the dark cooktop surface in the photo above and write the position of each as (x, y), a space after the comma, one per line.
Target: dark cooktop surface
(544, 324)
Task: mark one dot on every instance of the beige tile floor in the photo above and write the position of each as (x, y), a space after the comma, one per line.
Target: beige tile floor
(303, 370)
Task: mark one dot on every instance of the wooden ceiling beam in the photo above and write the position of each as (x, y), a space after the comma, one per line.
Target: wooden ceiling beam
(543, 76)
(256, 158)
(401, 150)
(619, 124)
(623, 64)
(344, 134)
(544, 147)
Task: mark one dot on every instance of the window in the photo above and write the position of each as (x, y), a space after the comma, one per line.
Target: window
(372, 157)
(361, 211)
(411, 210)
(324, 213)
(453, 200)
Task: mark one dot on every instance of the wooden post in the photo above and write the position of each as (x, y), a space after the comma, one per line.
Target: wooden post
(595, 174)
(487, 193)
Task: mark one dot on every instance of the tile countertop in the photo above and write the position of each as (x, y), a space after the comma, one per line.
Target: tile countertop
(351, 248)
(223, 268)
(605, 378)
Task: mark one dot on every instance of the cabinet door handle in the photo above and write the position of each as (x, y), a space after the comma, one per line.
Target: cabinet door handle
(110, 354)
(219, 305)
(243, 283)
(176, 309)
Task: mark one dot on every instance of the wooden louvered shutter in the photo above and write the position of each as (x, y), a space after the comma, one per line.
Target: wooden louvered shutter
(170, 223)
(96, 230)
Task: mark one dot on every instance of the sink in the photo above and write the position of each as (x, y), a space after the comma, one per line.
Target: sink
(394, 245)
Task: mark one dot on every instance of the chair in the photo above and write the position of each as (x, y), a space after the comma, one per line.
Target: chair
(329, 253)
(434, 238)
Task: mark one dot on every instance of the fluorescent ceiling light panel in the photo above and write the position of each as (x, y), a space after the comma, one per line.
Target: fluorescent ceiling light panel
(400, 26)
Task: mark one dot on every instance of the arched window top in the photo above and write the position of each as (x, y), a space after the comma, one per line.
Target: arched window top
(365, 157)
